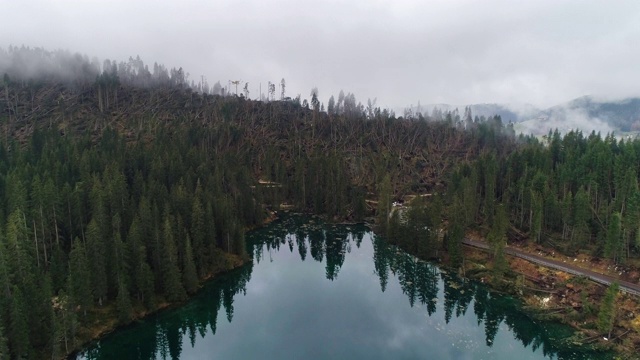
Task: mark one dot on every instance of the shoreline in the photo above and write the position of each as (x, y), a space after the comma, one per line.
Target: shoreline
(549, 294)
(477, 264)
(110, 323)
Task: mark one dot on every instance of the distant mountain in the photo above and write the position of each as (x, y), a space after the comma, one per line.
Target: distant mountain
(585, 113)
(508, 113)
(623, 115)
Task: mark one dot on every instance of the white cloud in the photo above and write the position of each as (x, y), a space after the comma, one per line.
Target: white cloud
(459, 52)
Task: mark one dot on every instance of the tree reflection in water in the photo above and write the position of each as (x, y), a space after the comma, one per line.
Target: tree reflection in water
(420, 281)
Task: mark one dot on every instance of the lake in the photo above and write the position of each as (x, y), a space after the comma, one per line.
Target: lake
(321, 291)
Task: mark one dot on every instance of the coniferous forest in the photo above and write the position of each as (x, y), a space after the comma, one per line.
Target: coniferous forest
(122, 188)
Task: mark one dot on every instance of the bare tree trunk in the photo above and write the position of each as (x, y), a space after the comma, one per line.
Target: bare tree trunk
(35, 236)
(44, 243)
(55, 224)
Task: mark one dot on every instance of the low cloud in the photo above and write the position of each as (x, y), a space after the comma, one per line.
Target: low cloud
(542, 52)
(564, 120)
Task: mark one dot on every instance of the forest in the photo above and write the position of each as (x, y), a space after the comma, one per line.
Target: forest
(122, 189)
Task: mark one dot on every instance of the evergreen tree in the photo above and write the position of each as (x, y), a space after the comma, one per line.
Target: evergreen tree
(607, 314)
(536, 217)
(384, 203)
(41, 314)
(123, 304)
(394, 229)
(497, 238)
(120, 258)
(581, 214)
(96, 254)
(136, 253)
(20, 263)
(490, 169)
(171, 283)
(418, 228)
(614, 238)
(454, 244)
(198, 233)
(189, 275)
(79, 277)
(4, 349)
(5, 284)
(65, 323)
(59, 268)
(18, 330)
(145, 281)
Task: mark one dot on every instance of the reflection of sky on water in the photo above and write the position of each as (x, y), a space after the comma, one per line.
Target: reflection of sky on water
(292, 311)
(289, 309)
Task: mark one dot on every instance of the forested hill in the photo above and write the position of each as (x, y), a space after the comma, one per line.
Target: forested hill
(138, 105)
(122, 188)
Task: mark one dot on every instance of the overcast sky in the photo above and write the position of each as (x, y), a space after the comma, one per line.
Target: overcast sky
(541, 52)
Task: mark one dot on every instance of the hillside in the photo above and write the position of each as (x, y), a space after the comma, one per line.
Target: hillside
(123, 189)
(417, 151)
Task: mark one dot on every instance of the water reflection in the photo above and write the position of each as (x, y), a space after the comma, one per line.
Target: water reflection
(170, 333)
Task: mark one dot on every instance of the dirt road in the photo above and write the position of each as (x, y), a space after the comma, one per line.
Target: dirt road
(625, 286)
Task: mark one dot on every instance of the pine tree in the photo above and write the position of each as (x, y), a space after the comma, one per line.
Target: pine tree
(538, 186)
(18, 326)
(79, 277)
(65, 323)
(96, 254)
(536, 217)
(497, 238)
(470, 198)
(614, 238)
(581, 212)
(455, 235)
(59, 268)
(123, 304)
(41, 314)
(136, 253)
(4, 349)
(145, 280)
(171, 283)
(607, 314)
(198, 233)
(490, 178)
(20, 263)
(384, 203)
(394, 229)
(120, 259)
(5, 284)
(189, 275)
(631, 221)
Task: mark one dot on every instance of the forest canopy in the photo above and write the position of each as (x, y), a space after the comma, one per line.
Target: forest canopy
(121, 186)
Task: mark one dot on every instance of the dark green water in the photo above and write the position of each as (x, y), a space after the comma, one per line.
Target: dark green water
(317, 291)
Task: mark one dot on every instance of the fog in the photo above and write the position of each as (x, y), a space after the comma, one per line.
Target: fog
(400, 52)
(571, 119)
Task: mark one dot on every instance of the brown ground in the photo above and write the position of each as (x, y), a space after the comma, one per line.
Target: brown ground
(573, 300)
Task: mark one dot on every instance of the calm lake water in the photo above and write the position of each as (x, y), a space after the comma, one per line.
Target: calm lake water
(317, 291)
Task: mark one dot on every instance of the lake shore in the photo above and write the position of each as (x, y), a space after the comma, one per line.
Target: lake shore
(553, 295)
(546, 294)
(105, 319)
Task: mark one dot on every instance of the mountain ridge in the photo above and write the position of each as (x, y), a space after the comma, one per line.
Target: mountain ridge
(586, 113)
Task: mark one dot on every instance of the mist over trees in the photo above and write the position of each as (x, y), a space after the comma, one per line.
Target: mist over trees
(124, 187)
(35, 66)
